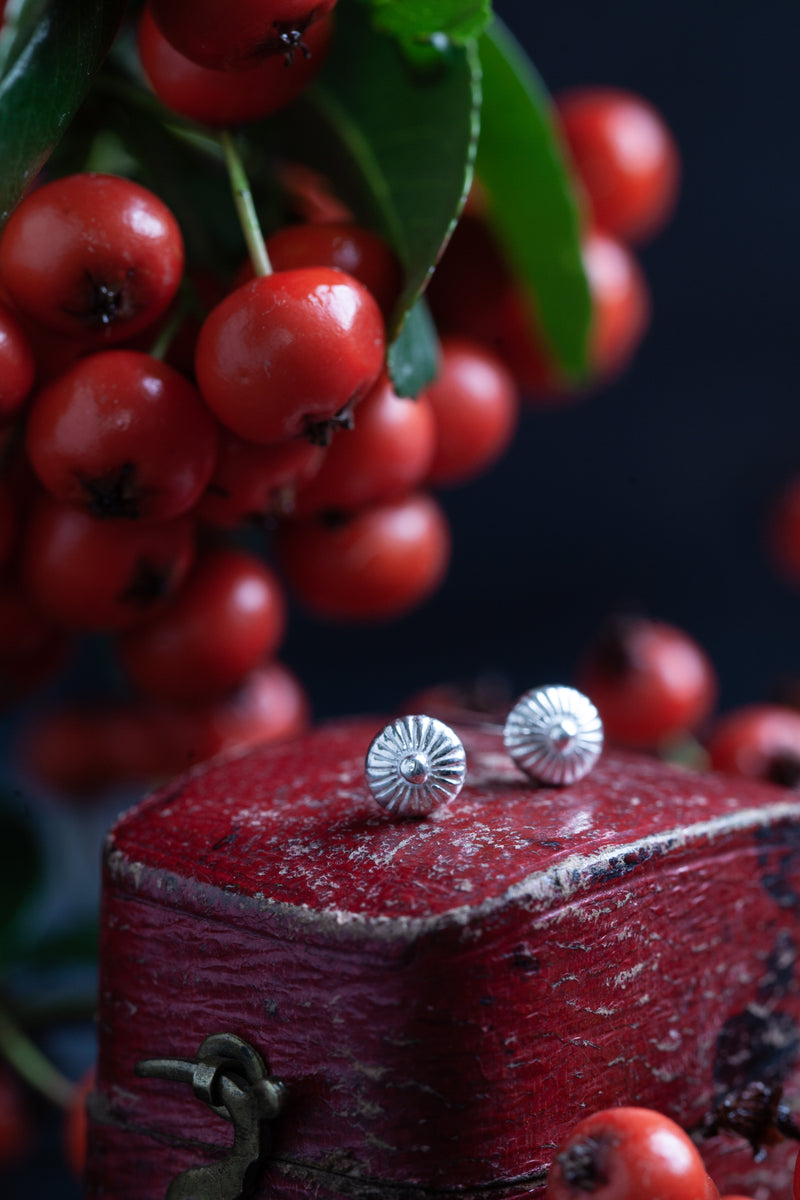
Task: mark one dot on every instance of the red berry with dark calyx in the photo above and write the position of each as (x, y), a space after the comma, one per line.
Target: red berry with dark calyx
(95, 257)
(759, 741)
(84, 573)
(374, 564)
(228, 617)
(17, 365)
(122, 435)
(290, 355)
(252, 483)
(625, 157)
(231, 34)
(628, 1154)
(221, 99)
(474, 401)
(387, 453)
(649, 680)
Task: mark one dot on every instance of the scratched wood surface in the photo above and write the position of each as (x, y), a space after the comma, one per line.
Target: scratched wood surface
(444, 998)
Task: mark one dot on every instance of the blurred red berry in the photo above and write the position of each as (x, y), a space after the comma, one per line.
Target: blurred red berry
(83, 573)
(372, 565)
(650, 681)
(783, 532)
(16, 1121)
(759, 741)
(17, 365)
(76, 1125)
(626, 159)
(628, 1154)
(387, 453)
(229, 615)
(474, 402)
(252, 482)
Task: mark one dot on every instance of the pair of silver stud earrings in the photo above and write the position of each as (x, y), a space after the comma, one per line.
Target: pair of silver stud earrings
(554, 734)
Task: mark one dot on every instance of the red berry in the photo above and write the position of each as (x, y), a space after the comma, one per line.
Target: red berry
(784, 532)
(16, 1121)
(90, 574)
(121, 434)
(627, 1154)
(229, 616)
(626, 159)
(760, 741)
(17, 365)
(737, 1196)
(386, 454)
(23, 631)
(358, 252)
(224, 98)
(474, 402)
(377, 563)
(230, 34)
(8, 522)
(269, 705)
(289, 353)
(76, 1125)
(252, 482)
(95, 257)
(649, 680)
(310, 196)
(474, 295)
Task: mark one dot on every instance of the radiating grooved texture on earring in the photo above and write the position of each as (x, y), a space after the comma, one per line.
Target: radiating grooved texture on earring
(415, 765)
(554, 734)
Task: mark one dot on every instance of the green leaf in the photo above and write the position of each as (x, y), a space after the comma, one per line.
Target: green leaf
(532, 208)
(413, 357)
(48, 65)
(422, 20)
(398, 140)
(20, 868)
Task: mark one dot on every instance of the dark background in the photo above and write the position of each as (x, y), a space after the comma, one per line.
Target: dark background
(654, 491)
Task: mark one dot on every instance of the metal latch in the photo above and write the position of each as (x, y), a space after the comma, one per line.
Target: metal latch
(232, 1078)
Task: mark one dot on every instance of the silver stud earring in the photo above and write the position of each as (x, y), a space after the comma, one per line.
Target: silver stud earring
(415, 765)
(554, 734)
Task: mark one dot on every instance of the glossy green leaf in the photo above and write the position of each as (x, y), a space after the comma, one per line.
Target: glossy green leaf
(398, 141)
(47, 68)
(532, 208)
(420, 20)
(413, 357)
(20, 868)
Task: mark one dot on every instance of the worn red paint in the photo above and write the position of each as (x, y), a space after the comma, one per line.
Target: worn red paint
(443, 998)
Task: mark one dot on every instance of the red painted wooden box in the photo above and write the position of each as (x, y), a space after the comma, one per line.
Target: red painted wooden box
(443, 998)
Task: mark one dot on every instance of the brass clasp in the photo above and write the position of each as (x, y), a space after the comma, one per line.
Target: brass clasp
(232, 1078)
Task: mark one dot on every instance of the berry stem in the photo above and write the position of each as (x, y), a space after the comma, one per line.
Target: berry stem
(245, 208)
(34, 1067)
(165, 336)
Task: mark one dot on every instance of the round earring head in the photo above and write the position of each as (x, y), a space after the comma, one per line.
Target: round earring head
(415, 765)
(554, 734)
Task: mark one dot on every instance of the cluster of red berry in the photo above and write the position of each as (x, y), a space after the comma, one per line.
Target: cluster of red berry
(139, 440)
(627, 171)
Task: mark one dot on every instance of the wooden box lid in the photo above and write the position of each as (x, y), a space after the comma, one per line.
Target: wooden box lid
(443, 998)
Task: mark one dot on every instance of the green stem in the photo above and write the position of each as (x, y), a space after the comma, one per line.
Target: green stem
(164, 337)
(245, 208)
(27, 1059)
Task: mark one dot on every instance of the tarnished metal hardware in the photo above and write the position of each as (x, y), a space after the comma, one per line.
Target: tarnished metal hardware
(232, 1078)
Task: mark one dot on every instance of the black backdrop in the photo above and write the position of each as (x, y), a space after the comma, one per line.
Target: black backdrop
(655, 489)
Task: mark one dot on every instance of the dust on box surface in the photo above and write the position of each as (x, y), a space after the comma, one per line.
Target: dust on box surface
(443, 998)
